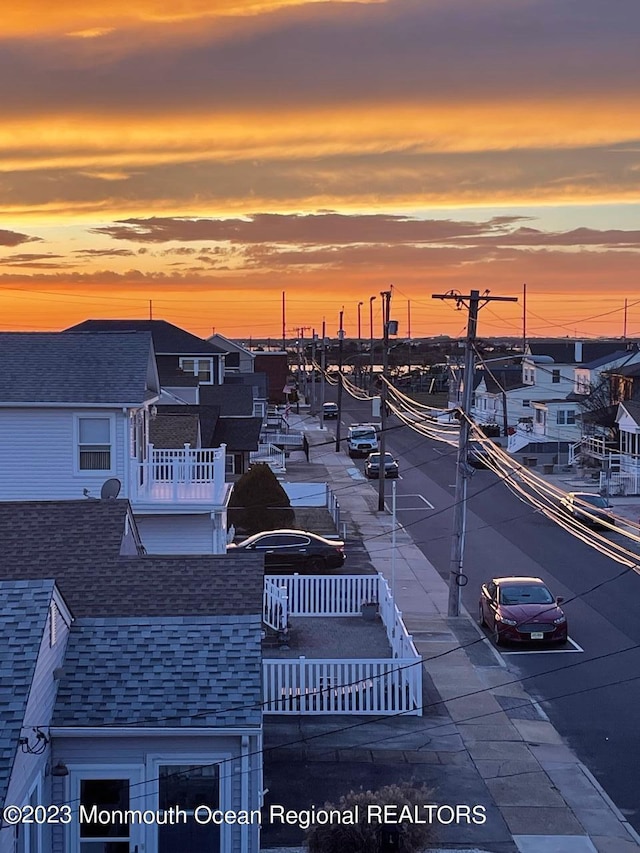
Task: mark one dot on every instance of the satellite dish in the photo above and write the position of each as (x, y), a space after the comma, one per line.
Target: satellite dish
(110, 489)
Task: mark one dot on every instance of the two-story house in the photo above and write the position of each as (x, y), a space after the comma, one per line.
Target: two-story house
(75, 412)
(132, 681)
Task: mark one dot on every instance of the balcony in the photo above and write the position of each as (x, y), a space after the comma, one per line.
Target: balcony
(180, 476)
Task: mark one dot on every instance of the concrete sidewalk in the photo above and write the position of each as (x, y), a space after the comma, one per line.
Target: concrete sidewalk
(539, 796)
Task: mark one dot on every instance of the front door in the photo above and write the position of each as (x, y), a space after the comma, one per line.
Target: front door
(102, 796)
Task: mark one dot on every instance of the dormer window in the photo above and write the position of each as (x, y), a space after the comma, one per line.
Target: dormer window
(202, 369)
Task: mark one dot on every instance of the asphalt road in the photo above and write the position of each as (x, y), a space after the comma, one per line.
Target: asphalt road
(590, 693)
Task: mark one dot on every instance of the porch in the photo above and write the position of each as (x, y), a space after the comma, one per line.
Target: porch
(384, 678)
(181, 475)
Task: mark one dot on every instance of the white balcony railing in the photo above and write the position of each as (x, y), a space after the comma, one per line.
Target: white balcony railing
(181, 475)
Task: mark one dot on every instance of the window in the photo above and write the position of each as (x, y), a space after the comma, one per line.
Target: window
(94, 443)
(202, 368)
(526, 404)
(229, 463)
(187, 787)
(565, 417)
(539, 416)
(555, 376)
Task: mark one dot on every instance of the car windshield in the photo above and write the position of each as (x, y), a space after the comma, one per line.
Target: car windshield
(594, 500)
(525, 594)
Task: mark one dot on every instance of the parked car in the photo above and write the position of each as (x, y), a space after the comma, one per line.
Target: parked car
(589, 508)
(521, 610)
(296, 550)
(372, 466)
(330, 410)
(479, 453)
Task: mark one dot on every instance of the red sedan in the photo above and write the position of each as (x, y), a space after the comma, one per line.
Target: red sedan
(522, 610)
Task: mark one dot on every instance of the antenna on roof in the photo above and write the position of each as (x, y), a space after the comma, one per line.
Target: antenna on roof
(110, 489)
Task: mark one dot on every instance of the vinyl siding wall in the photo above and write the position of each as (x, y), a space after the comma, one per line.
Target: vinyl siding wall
(28, 768)
(38, 454)
(141, 751)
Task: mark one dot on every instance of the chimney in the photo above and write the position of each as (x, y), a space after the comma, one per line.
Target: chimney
(578, 355)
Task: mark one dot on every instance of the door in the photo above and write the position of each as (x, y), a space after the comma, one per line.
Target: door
(102, 795)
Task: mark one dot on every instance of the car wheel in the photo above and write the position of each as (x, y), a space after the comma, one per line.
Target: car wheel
(316, 565)
(497, 636)
(481, 619)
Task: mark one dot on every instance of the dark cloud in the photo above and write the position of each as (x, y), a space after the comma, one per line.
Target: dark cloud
(104, 253)
(300, 229)
(338, 53)
(28, 258)
(333, 230)
(14, 238)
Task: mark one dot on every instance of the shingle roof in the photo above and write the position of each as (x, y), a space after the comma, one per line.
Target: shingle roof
(42, 367)
(239, 434)
(167, 338)
(632, 408)
(24, 607)
(169, 672)
(257, 381)
(232, 399)
(564, 352)
(503, 379)
(50, 532)
(78, 544)
(174, 430)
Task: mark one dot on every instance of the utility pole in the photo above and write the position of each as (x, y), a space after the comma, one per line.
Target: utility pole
(371, 301)
(524, 317)
(284, 329)
(323, 366)
(359, 349)
(473, 302)
(314, 338)
(386, 307)
(338, 419)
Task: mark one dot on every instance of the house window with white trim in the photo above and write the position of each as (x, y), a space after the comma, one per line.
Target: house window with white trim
(202, 369)
(95, 443)
(555, 376)
(565, 417)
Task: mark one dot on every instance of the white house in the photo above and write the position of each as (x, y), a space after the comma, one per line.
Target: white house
(75, 410)
(132, 681)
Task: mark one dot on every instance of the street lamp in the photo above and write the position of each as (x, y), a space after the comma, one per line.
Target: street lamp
(371, 301)
(360, 304)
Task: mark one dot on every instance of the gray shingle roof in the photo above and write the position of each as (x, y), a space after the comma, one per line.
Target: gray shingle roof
(39, 367)
(174, 430)
(167, 338)
(78, 544)
(232, 399)
(239, 434)
(564, 352)
(24, 606)
(169, 672)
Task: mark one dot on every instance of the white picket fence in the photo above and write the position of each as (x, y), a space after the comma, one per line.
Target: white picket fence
(275, 606)
(365, 686)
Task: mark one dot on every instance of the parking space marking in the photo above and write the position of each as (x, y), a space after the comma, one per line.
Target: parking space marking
(425, 502)
(575, 650)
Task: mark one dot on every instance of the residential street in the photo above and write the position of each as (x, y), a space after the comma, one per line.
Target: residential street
(590, 693)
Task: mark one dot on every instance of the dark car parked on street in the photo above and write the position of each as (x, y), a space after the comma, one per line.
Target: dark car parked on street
(295, 550)
(329, 410)
(521, 610)
(372, 466)
(589, 508)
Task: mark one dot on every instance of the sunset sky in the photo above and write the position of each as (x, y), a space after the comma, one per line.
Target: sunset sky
(207, 155)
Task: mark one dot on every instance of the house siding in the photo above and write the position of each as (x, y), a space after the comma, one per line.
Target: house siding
(142, 750)
(38, 454)
(27, 768)
(177, 534)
